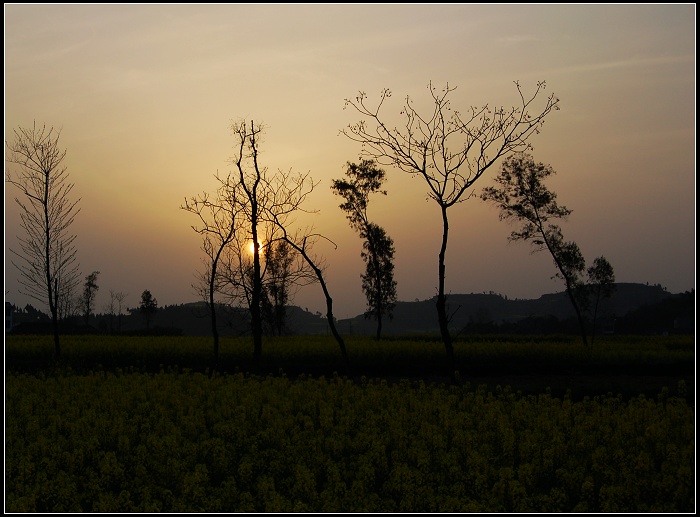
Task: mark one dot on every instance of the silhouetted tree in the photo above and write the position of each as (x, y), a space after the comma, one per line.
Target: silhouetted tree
(601, 281)
(522, 196)
(148, 306)
(378, 282)
(47, 252)
(111, 308)
(90, 289)
(69, 303)
(264, 201)
(249, 179)
(449, 150)
(304, 242)
(120, 297)
(221, 221)
(279, 260)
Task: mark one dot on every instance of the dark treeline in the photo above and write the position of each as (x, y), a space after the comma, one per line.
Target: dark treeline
(633, 309)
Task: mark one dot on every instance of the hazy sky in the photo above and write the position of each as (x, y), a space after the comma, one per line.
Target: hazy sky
(145, 95)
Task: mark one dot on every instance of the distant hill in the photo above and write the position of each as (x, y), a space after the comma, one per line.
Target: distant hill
(484, 311)
(633, 308)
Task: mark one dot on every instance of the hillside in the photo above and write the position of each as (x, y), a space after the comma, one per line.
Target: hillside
(633, 308)
(485, 311)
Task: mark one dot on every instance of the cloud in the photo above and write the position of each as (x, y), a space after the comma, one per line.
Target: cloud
(518, 39)
(625, 63)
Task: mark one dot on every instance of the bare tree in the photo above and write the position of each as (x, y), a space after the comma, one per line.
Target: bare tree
(281, 197)
(220, 223)
(449, 150)
(120, 297)
(68, 302)
(250, 256)
(522, 196)
(47, 254)
(249, 178)
(378, 250)
(110, 308)
(303, 242)
(248, 273)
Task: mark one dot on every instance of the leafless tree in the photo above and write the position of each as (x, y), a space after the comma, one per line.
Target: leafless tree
(220, 224)
(110, 308)
(120, 297)
(250, 209)
(303, 242)
(68, 302)
(290, 195)
(448, 149)
(47, 252)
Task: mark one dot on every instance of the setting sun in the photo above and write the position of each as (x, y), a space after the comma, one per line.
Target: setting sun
(251, 247)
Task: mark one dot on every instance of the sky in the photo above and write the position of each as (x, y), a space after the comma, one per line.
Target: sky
(144, 96)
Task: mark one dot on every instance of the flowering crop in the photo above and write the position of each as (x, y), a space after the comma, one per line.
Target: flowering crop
(181, 440)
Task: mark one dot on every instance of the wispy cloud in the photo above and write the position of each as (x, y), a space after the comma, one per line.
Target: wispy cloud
(518, 39)
(625, 63)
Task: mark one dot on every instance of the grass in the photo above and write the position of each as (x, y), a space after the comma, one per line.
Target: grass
(625, 364)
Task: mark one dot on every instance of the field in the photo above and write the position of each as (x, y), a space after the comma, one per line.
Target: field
(527, 424)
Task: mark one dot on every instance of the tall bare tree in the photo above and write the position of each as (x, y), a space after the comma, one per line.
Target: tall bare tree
(263, 201)
(449, 150)
(378, 282)
(250, 175)
(47, 252)
(521, 196)
(250, 254)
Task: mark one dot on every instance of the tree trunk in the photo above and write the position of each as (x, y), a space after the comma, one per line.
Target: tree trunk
(212, 308)
(329, 303)
(441, 303)
(255, 312)
(56, 340)
(581, 322)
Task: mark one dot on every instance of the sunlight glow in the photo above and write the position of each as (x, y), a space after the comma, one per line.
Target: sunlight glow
(251, 247)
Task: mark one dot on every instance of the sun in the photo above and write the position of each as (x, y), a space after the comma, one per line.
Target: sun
(251, 247)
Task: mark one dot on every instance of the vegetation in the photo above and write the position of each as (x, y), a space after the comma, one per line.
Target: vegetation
(47, 252)
(450, 150)
(148, 306)
(378, 250)
(87, 300)
(522, 197)
(518, 423)
(93, 434)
